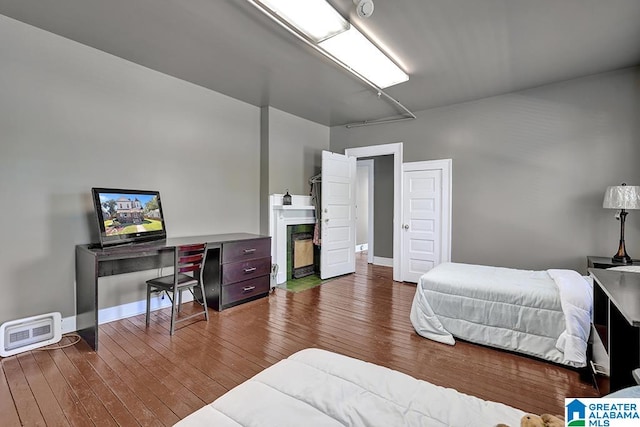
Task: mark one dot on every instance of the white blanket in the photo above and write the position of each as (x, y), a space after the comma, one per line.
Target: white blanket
(318, 388)
(576, 298)
(545, 314)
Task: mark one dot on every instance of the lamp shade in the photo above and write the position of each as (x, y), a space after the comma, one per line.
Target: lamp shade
(622, 197)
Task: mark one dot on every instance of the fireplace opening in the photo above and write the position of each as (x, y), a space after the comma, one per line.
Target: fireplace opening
(302, 253)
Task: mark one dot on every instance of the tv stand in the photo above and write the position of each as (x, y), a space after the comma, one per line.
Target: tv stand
(237, 270)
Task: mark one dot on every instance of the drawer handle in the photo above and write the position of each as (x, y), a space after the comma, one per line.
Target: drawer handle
(247, 289)
(249, 251)
(249, 270)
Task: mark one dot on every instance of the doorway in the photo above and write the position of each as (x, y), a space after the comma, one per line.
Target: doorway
(364, 208)
(394, 149)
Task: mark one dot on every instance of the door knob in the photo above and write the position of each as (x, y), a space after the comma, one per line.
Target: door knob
(406, 226)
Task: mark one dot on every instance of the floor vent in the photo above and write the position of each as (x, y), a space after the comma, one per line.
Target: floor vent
(25, 334)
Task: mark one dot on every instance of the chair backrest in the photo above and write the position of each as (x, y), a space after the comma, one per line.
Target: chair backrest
(189, 259)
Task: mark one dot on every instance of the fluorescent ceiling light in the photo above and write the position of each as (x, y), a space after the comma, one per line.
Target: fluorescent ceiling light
(317, 19)
(355, 50)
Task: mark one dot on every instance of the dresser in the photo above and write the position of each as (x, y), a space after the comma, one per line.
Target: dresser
(243, 269)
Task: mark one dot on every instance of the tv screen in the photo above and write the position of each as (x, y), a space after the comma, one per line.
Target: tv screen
(128, 216)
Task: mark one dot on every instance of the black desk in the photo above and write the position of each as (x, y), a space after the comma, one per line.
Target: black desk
(94, 263)
(616, 318)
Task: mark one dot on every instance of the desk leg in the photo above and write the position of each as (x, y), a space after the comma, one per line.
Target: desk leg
(87, 297)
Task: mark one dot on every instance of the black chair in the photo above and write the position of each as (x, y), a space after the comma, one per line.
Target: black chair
(188, 259)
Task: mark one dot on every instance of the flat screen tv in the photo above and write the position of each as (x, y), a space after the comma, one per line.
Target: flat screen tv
(128, 216)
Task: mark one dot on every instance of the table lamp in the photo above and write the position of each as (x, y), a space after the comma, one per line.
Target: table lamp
(622, 197)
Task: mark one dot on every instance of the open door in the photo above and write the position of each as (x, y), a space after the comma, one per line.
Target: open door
(338, 227)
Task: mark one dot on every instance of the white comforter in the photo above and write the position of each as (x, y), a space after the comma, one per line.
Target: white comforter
(546, 314)
(319, 388)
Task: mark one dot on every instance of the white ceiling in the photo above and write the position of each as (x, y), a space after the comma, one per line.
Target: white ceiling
(453, 50)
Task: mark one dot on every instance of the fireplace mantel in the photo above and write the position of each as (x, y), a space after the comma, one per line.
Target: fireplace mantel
(300, 211)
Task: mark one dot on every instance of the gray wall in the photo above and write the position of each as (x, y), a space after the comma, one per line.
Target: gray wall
(362, 203)
(264, 170)
(72, 117)
(382, 205)
(530, 168)
(295, 151)
(291, 153)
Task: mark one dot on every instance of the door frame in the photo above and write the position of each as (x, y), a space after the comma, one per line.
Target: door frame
(368, 165)
(394, 149)
(445, 165)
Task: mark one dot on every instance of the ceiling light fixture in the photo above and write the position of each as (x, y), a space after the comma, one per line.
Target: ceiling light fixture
(358, 59)
(316, 19)
(324, 26)
(355, 50)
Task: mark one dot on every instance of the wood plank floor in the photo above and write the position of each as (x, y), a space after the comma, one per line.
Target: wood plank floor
(145, 377)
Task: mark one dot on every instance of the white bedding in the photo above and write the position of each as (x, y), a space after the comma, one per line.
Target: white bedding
(545, 314)
(318, 388)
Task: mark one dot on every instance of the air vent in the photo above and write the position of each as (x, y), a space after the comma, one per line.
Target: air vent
(25, 334)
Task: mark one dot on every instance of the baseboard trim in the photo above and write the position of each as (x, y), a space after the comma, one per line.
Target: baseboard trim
(362, 247)
(385, 262)
(135, 308)
(119, 312)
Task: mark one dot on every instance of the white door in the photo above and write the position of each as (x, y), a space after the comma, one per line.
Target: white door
(425, 199)
(338, 217)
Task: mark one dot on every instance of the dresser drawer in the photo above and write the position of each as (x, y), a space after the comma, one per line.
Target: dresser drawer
(246, 249)
(244, 270)
(244, 290)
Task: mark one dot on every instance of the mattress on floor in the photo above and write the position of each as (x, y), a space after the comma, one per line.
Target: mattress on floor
(319, 388)
(546, 314)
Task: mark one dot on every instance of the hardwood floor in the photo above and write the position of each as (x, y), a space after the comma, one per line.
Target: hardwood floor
(145, 377)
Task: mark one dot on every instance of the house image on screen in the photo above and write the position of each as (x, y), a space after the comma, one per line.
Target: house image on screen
(129, 211)
(154, 213)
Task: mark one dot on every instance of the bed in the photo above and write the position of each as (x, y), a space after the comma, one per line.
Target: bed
(316, 387)
(545, 314)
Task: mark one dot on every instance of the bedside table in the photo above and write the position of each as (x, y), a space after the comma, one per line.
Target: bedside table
(606, 262)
